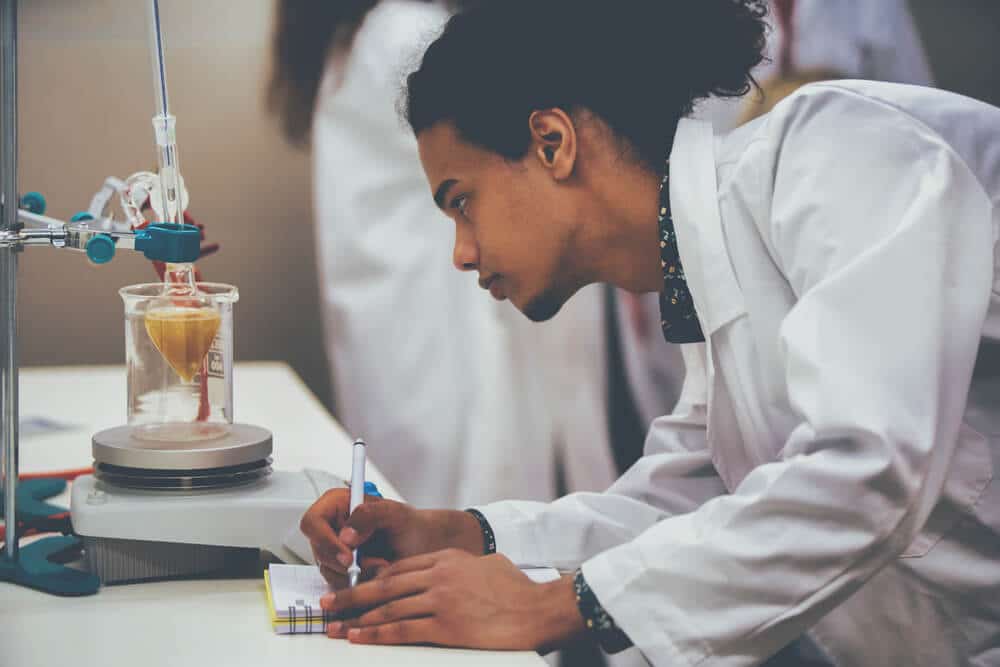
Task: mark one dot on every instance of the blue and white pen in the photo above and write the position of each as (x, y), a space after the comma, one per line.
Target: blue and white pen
(357, 497)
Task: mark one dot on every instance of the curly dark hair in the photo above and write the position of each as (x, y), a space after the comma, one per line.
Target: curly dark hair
(639, 65)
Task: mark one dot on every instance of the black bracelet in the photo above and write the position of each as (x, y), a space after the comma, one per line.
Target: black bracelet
(489, 541)
(599, 622)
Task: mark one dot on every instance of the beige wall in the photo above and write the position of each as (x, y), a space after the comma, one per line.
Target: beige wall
(86, 100)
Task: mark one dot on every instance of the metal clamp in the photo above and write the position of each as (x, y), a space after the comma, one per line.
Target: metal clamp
(164, 242)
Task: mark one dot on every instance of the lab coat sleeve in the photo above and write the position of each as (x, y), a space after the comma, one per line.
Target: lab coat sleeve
(675, 475)
(884, 236)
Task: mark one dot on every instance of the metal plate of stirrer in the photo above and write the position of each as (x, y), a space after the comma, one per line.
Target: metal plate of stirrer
(240, 457)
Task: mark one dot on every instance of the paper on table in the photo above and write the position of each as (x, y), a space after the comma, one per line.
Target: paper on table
(540, 575)
(31, 426)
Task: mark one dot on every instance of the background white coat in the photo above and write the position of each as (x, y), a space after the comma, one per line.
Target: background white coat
(461, 399)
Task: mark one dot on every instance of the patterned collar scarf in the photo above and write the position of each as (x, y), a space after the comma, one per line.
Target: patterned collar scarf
(677, 314)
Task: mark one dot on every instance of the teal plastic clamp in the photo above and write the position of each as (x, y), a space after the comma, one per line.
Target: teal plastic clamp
(31, 495)
(101, 249)
(33, 202)
(169, 242)
(82, 216)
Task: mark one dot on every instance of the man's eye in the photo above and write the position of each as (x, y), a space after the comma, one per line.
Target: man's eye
(460, 203)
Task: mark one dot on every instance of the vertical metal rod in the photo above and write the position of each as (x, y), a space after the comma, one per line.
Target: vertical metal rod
(159, 67)
(8, 269)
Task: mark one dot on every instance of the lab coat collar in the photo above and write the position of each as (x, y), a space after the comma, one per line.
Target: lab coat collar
(694, 196)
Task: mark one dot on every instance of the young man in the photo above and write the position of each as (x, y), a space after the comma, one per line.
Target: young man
(830, 272)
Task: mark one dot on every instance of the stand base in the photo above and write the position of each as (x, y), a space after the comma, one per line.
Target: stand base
(34, 569)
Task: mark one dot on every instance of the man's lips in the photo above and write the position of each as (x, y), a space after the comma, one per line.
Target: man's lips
(492, 285)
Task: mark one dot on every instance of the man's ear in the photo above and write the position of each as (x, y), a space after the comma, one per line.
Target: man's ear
(553, 141)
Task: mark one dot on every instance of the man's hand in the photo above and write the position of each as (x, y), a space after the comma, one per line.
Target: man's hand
(388, 530)
(453, 598)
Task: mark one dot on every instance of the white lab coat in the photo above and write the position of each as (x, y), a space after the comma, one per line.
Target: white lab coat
(461, 399)
(828, 468)
(861, 39)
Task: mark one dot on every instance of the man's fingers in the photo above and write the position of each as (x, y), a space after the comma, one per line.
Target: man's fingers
(407, 565)
(318, 526)
(371, 566)
(376, 592)
(331, 552)
(415, 606)
(335, 578)
(415, 631)
(412, 631)
(375, 514)
(331, 556)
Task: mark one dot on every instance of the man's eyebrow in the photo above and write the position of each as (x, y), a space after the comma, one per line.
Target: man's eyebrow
(442, 192)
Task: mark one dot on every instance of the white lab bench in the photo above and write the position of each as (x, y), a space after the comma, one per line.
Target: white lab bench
(192, 623)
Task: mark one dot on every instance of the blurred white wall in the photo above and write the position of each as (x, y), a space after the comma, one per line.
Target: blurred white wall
(86, 100)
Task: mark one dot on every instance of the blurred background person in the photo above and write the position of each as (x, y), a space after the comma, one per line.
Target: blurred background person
(815, 40)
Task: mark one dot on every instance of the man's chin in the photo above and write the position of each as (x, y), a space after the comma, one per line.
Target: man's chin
(542, 308)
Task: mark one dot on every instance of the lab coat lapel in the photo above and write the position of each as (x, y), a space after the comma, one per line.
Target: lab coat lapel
(695, 201)
(717, 296)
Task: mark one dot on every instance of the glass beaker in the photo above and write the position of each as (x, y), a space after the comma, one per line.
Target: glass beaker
(179, 361)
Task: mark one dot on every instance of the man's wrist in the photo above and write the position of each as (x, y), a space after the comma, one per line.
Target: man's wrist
(489, 540)
(558, 618)
(462, 531)
(596, 618)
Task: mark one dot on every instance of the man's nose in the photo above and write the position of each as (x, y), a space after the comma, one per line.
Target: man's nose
(466, 256)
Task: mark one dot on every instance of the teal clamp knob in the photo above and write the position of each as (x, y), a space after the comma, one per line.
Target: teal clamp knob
(169, 242)
(101, 249)
(33, 202)
(82, 216)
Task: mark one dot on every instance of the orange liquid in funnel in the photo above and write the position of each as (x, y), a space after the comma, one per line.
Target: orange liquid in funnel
(183, 336)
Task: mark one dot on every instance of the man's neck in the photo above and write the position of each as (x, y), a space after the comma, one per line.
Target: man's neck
(624, 245)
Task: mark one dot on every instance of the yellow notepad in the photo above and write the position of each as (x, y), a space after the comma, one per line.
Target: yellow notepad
(293, 593)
